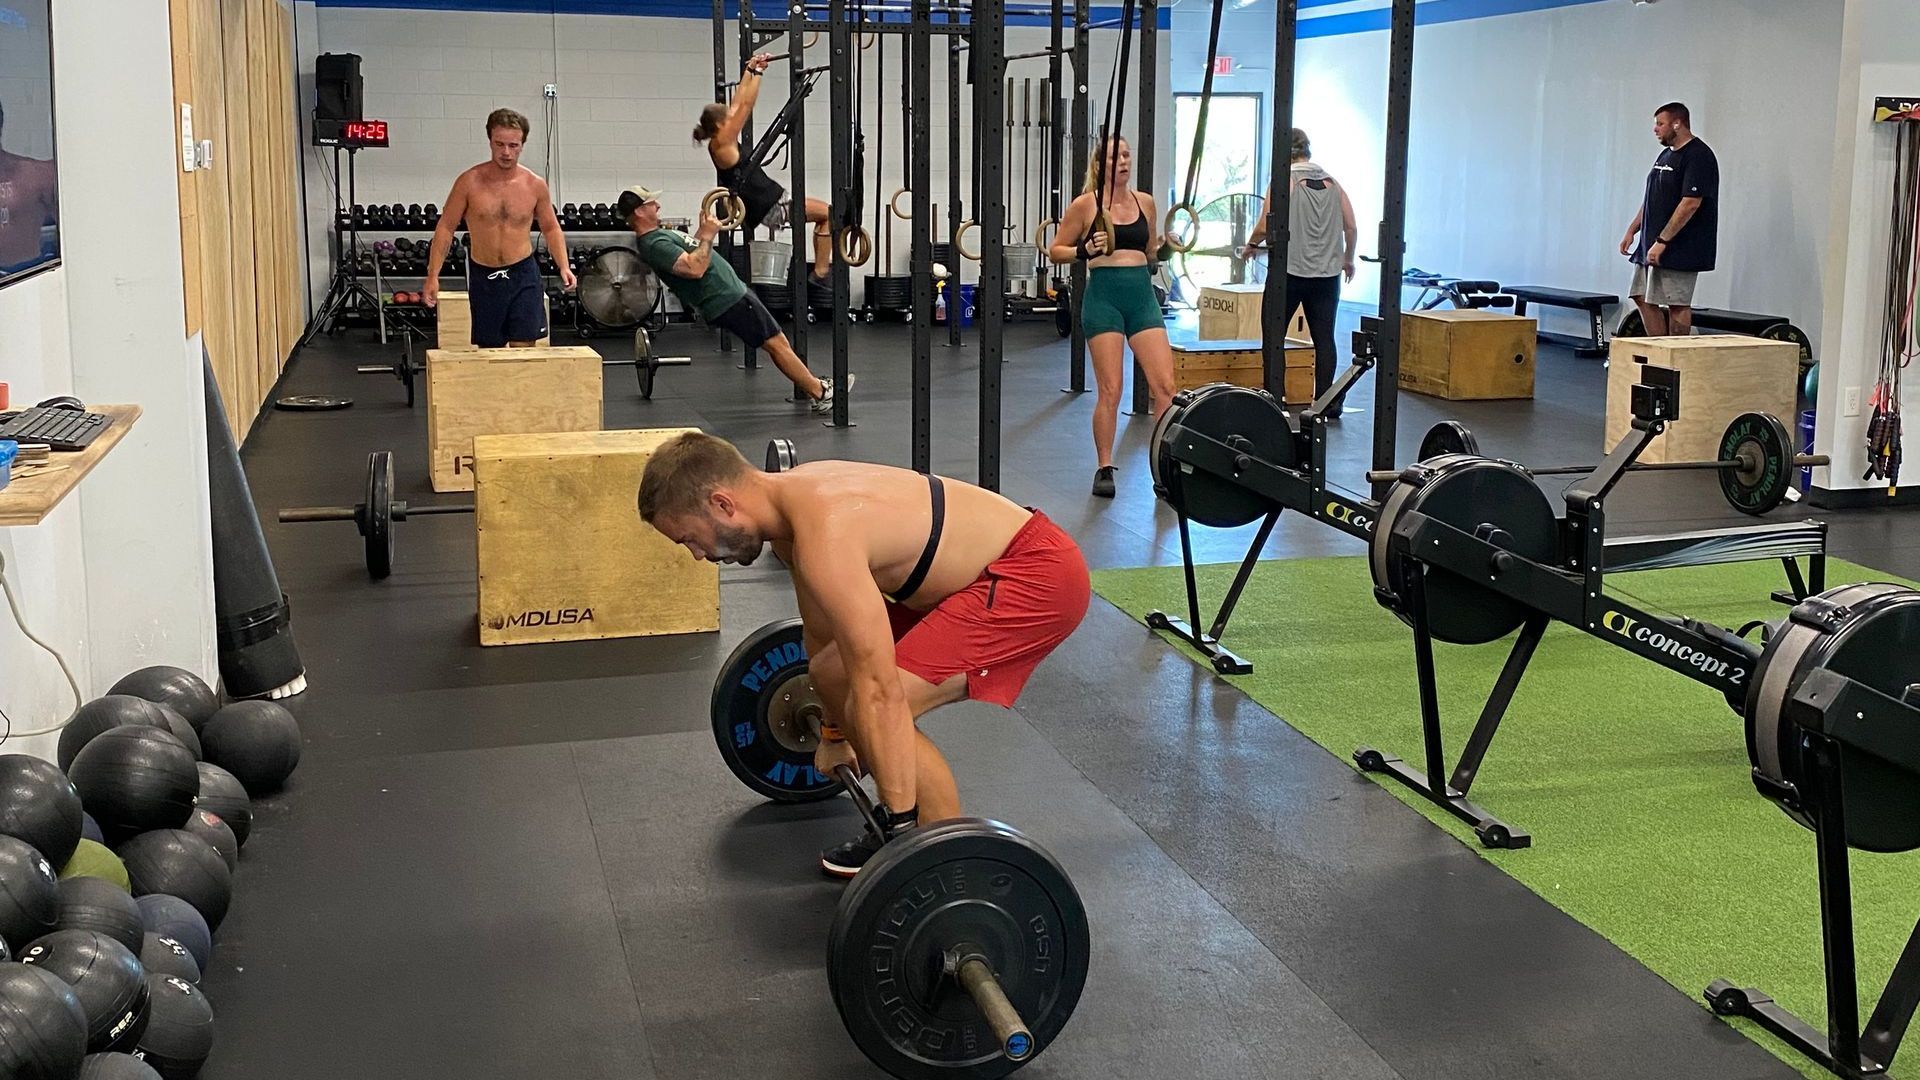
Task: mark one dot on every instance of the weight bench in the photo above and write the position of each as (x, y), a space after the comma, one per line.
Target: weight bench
(1594, 304)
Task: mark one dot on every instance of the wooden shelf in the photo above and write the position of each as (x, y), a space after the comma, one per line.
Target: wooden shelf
(37, 489)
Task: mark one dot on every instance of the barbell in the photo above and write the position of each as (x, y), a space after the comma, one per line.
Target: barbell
(407, 369)
(974, 984)
(1755, 465)
(376, 514)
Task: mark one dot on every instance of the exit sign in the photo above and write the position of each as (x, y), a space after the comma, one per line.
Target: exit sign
(1223, 65)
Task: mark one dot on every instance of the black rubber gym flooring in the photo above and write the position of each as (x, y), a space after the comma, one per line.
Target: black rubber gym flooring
(530, 861)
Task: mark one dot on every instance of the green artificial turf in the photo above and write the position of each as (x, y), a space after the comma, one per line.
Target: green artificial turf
(1633, 780)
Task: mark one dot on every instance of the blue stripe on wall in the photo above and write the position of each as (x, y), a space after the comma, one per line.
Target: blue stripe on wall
(1436, 11)
(659, 9)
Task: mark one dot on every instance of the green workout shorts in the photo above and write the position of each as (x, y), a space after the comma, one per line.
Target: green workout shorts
(1119, 300)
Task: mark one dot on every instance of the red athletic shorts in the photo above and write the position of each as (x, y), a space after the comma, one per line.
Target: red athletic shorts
(998, 629)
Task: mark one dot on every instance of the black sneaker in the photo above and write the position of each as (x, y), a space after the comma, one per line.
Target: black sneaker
(846, 860)
(1103, 481)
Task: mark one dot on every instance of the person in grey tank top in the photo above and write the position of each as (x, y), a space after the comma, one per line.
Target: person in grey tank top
(1320, 252)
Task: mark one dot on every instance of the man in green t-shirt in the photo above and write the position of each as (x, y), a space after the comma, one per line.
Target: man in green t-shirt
(709, 286)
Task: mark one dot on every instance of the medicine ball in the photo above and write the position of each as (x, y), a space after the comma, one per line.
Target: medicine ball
(108, 980)
(116, 1067)
(136, 778)
(38, 805)
(179, 1033)
(165, 956)
(103, 714)
(181, 730)
(92, 859)
(29, 895)
(43, 1029)
(174, 918)
(207, 825)
(88, 903)
(180, 864)
(256, 741)
(178, 689)
(89, 828)
(222, 795)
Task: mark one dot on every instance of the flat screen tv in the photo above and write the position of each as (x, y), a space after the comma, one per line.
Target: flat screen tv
(29, 181)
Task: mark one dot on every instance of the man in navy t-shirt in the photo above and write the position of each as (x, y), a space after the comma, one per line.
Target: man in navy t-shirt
(1677, 227)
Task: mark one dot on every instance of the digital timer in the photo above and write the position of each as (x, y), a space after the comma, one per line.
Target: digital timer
(364, 133)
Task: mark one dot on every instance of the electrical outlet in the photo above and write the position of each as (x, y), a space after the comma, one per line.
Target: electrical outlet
(552, 91)
(1852, 406)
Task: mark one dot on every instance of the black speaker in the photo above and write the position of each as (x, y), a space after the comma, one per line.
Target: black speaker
(337, 87)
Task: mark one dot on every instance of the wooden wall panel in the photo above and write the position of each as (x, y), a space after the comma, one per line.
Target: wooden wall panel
(180, 19)
(239, 154)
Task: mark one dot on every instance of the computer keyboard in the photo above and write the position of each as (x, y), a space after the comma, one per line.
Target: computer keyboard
(61, 429)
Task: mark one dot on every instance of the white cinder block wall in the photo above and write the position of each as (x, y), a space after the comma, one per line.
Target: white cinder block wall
(630, 88)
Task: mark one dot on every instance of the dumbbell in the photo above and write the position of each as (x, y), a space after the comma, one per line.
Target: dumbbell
(567, 215)
(433, 215)
(399, 215)
(416, 216)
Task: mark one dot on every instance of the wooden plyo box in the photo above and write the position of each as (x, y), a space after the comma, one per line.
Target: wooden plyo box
(1721, 376)
(454, 322)
(1232, 313)
(563, 553)
(504, 392)
(1198, 363)
(1467, 354)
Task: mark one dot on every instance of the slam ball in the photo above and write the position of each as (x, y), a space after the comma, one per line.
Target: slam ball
(116, 1067)
(104, 714)
(38, 805)
(207, 826)
(108, 980)
(136, 778)
(189, 737)
(176, 688)
(92, 859)
(179, 1034)
(165, 956)
(178, 863)
(29, 895)
(256, 741)
(222, 795)
(172, 917)
(88, 903)
(43, 1029)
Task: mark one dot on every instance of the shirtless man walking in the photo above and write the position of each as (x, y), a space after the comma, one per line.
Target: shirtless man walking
(500, 202)
(29, 198)
(914, 592)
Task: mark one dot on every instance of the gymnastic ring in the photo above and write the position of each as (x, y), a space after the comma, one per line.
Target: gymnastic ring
(868, 39)
(960, 241)
(813, 38)
(1040, 231)
(1166, 229)
(855, 247)
(893, 204)
(736, 208)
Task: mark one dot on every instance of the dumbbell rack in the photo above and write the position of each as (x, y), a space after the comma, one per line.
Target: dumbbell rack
(414, 318)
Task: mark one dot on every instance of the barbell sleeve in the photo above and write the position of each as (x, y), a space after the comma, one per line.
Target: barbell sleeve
(299, 514)
(401, 511)
(1798, 461)
(1016, 1042)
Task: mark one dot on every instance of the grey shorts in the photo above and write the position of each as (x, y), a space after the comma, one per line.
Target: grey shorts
(1662, 287)
(781, 215)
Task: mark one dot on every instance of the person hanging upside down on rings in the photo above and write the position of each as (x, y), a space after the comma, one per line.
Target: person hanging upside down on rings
(1120, 307)
(709, 286)
(914, 592)
(766, 201)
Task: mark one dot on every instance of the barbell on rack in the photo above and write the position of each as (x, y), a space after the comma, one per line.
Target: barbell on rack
(1755, 465)
(376, 514)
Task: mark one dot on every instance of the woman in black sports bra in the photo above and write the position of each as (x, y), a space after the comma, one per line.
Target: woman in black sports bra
(1120, 307)
(766, 201)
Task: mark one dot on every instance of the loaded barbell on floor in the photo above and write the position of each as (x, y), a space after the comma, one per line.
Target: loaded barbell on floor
(375, 515)
(645, 364)
(975, 988)
(1755, 466)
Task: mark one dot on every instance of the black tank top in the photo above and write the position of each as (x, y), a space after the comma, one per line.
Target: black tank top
(748, 180)
(1133, 236)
